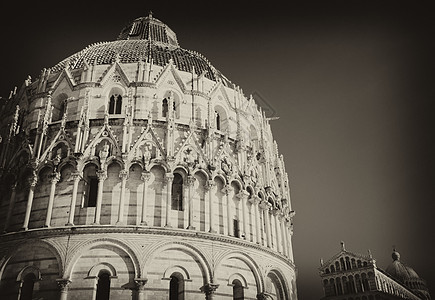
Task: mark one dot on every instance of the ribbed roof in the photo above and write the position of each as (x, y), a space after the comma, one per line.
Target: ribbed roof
(399, 271)
(144, 39)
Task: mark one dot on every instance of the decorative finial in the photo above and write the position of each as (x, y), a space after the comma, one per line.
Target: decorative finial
(150, 14)
(395, 255)
(342, 246)
(321, 262)
(370, 253)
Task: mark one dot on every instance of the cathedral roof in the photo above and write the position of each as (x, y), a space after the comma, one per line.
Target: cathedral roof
(400, 271)
(144, 39)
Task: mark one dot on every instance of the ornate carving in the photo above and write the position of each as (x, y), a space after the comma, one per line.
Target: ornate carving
(226, 166)
(54, 177)
(190, 180)
(145, 176)
(102, 175)
(209, 185)
(140, 283)
(227, 189)
(104, 153)
(209, 288)
(123, 174)
(63, 284)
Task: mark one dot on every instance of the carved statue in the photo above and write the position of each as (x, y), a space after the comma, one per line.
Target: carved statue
(146, 155)
(104, 153)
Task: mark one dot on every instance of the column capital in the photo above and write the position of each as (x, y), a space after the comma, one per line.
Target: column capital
(123, 174)
(54, 177)
(276, 212)
(14, 186)
(140, 283)
(226, 189)
(209, 288)
(75, 175)
(254, 200)
(243, 194)
(33, 180)
(169, 177)
(209, 185)
(145, 176)
(264, 205)
(63, 283)
(102, 175)
(190, 180)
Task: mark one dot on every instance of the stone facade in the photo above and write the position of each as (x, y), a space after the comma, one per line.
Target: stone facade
(134, 169)
(350, 276)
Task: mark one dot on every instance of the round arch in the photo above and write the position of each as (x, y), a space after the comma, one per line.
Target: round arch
(33, 243)
(247, 260)
(82, 248)
(185, 247)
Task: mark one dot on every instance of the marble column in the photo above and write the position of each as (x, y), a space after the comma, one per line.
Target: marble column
(32, 184)
(11, 205)
(243, 196)
(123, 174)
(102, 175)
(189, 182)
(54, 178)
(276, 213)
(226, 190)
(255, 206)
(265, 209)
(209, 188)
(169, 179)
(76, 178)
(209, 289)
(140, 287)
(63, 287)
(283, 235)
(145, 177)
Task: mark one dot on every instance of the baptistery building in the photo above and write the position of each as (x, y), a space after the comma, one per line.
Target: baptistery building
(134, 169)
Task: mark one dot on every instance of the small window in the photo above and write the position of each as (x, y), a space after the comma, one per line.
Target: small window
(165, 108)
(92, 191)
(115, 104)
(218, 120)
(238, 293)
(176, 287)
(236, 228)
(177, 192)
(27, 287)
(103, 285)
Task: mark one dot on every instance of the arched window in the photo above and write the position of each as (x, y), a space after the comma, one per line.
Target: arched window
(176, 287)
(91, 185)
(165, 108)
(115, 104)
(238, 293)
(103, 285)
(218, 120)
(27, 287)
(177, 192)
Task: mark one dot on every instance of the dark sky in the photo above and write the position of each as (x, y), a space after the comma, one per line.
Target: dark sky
(352, 83)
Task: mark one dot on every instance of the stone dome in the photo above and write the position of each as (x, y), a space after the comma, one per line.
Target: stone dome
(144, 39)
